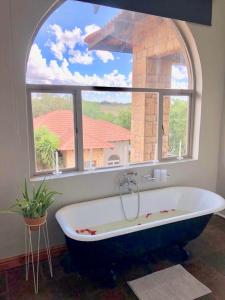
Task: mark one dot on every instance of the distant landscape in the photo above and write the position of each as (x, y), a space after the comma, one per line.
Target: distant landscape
(119, 114)
(116, 113)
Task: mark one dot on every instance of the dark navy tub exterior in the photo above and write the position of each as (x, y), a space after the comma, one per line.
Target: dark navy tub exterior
(94, 254)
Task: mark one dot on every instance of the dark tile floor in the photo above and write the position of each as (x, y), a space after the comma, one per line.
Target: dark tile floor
(207, 263)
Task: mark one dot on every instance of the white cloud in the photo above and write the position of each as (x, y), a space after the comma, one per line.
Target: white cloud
(85, 58)
(104, 56)
(179, 72)
(130, 76)
(91, 28)
(58, 50)
(39, 71)
(111, 79)
(37, 67)
(64, 39)
(179, 77)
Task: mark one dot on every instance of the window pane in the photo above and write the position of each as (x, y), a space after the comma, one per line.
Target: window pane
(175, 126)
(109, 47)
(119, 128)
(53, 125)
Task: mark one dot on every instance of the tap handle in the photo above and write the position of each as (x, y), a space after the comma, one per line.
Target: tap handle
(130, 173)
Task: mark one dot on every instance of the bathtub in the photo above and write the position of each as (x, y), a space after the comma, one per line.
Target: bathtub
(104, 248)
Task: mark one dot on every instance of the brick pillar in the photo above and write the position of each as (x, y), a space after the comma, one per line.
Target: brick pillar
(145, 108)
(151, 121)
(166, 115)
(143, 126)
(155, 50)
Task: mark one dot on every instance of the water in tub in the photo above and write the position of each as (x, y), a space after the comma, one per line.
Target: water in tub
(148, 217)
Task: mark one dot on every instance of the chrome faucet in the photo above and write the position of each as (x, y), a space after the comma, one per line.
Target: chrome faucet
(129, 181)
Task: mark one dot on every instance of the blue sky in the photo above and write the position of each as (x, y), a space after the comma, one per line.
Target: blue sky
(80, 14)
(63, 23)
(60, 55)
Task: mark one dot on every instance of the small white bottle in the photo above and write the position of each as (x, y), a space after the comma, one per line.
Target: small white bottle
(164, 175)
(157, 174)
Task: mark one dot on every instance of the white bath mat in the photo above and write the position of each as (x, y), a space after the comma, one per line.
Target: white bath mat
(174, 283)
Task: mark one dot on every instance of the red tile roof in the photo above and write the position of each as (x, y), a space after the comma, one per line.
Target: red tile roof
(97, 133)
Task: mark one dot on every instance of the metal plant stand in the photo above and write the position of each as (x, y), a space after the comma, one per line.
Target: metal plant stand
(29, 251)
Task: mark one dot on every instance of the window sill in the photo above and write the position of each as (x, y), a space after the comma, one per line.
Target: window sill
(48, 177)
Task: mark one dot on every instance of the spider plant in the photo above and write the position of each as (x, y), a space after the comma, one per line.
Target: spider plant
(35, 204)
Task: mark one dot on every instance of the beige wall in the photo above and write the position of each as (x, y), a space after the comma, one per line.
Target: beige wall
(68, 158)
(97, 156)
(100, 156)
(119, 148)
(221, 161)
(16, 29)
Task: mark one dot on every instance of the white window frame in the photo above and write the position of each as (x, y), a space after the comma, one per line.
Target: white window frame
(113, 162)
(76, 92)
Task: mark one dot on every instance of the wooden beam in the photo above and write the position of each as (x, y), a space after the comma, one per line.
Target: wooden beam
(18, 261)
(197, 11)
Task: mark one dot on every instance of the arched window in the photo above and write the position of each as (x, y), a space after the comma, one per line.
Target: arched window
(114, 79)
(114, 160)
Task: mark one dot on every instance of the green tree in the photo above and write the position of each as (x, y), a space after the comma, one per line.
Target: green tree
(91, 109)
(50, 102)
(116, 113)
(112, 113)
(178, 125)
(46, 143)
(124, 119)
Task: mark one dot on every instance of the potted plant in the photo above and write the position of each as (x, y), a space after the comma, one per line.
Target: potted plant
(33, 206)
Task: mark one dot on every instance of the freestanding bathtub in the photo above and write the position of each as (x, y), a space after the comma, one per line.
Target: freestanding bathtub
(90, 249)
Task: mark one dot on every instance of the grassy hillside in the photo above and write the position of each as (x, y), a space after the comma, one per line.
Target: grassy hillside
(117, 113)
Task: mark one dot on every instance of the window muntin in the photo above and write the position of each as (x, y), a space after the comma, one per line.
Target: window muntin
(53, 131)
(97, 67)
(155, 137)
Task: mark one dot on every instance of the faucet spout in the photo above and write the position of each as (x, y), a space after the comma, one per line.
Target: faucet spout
(129, 182)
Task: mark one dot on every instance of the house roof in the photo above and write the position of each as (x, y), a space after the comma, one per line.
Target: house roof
(96, 133)
(128, 30)
(112, 36)
(119, 34)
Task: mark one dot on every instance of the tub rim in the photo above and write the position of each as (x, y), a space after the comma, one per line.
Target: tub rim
(71, 233)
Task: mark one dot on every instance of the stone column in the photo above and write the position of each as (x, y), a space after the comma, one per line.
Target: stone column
(156, 47)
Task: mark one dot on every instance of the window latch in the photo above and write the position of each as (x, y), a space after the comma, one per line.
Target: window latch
(163, 130)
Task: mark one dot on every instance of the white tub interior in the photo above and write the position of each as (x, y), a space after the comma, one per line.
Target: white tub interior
(194, 202)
